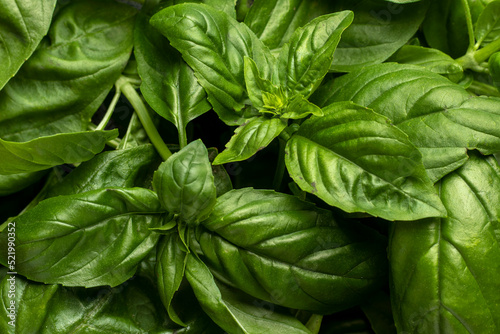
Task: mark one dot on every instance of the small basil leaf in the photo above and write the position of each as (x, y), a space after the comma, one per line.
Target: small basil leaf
(185, 183)
(298, 107)
(494, 67)
(23, 26)
(257, 86)
(121, 168)
(168, 83)
(439, 116)
(488, 24)
(58, 241)
(431, 59)
(222, 179)
(69, 75)
(249, 138)
(378, 30)
(130, 308)
(226, 6)
(12, 183)
(305, 60)
(214, 45)
(437, 264)
(293, 254)
(46, 152)
(354, 159)
(170, 266)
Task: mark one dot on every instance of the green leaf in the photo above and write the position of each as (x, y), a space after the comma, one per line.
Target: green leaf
(378, 30)
(170, 266)
(185, 183)
(298, 107)
(293, 254)
(222, 179)
(58, 241)
(121, 168)
(12, 183)
(494, 67)
(23, 24)
(67, 78)
(431, 59)
(378, 311)
(259, 88)
(305, 60)
(354, 159)
(488, 24)
(440, 117)
(226, 6)
(46, 152)
(249, 138)
(231, 310)
(168, 83)
(130, 308)
(214, 45)
(438, 264)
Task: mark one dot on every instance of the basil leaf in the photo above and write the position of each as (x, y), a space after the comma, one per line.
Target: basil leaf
(12, 183)
(185, 183)
(305, 60)
(378, 30)
(431, 59)
(354, 159)
(436, 264)
(226, 6)
(488, 24)
(440, 118)
(231, 310)
(293, 254)
(46, 152)
(58, 241)
(23, 24)
(69, 75)
(249, 138)
(222, 180)
(130, 308)
(170, 266)
(168, 83)
(494, 67)
(258, 87)
(121, 168)
(214, 45)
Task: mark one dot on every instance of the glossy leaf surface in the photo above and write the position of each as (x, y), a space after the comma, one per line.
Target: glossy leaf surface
(437, 264)
(440, 117)
(354, 159)
(431, 59)
(46, 152)
(185, 183)
(168, 83)
(12, 183)
(58, 241)
(23, 24)
(249, 138)
(293, 254)
(214, 45)
(488, 24)
(71, 72)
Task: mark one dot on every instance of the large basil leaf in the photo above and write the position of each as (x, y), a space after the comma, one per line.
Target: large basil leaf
(214, 45)
(432, 59)
(444, 270)
(378, 30)
(305, 60)
(90, 239)
(46, 152)
(22, 26)
(226, 6)
(231, 311)
(249, 138)
(488, 24)
(69, 75)
(354, 159)
(171, 263)
(130, 308)
(185, 183)
(121, 168)
(292, 253)
(168, 83)
(440, 117)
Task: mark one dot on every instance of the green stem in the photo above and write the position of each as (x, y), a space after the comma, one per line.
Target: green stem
(485, 53)
(280, 167)
(125, 138)
(142, 112)
(182, 137)
(470, 28)
(111, 108)
(481, 88)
